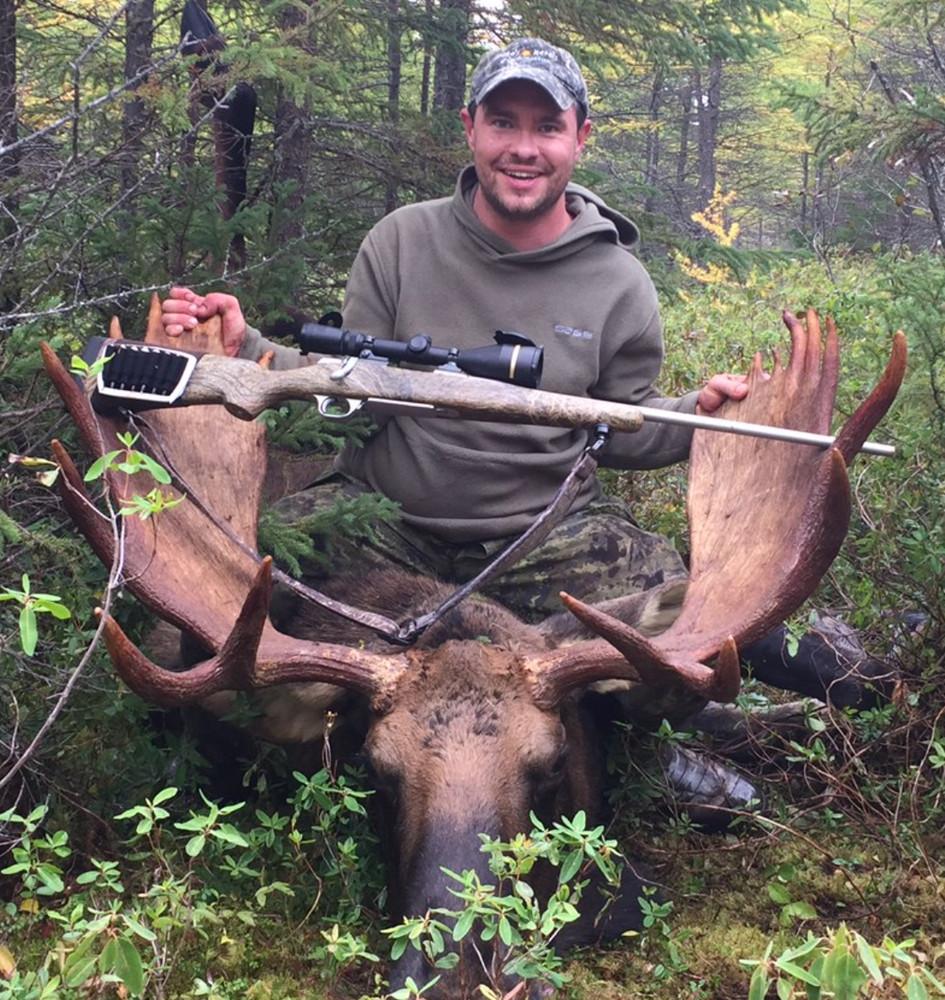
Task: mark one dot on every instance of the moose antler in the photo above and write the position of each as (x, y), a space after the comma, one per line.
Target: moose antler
(767, 518)
(196, 566)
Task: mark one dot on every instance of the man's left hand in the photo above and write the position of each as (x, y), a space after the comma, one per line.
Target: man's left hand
(718, 389)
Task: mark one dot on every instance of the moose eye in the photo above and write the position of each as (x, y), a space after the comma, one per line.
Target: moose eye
(547, 776)
(559, 762)
(385, 780)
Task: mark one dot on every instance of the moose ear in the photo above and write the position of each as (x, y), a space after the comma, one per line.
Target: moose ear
(649, 612)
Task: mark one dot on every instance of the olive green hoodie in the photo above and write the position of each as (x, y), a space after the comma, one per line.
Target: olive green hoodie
(433, 268)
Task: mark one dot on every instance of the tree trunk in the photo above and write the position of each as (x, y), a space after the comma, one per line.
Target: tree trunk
(652, 162)
(805, 181)
(682, 155)
(425, 71)
(8, 130)
(295, 147)
(708, 108)
(449, 79)
(9, 158)
(139, 39)
(933, 186)
(394, 63)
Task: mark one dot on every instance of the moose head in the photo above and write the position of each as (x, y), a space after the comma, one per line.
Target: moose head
(463, 736)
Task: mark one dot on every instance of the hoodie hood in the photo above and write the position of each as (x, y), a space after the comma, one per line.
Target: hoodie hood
(593, 218)
(627, 230)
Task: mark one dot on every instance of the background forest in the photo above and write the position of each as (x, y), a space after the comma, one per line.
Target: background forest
(776, 154)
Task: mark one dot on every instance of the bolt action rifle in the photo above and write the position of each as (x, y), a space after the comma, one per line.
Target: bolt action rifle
(497, 382)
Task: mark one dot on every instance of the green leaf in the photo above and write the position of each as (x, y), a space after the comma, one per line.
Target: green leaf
(785, 989)
(97, 469)
(51, 877)
(28, 633)
(143, 932)
(231, 835)
(158, 472)
(868, 958)
(464, 924)
(915, 988)
(59, 611)
(936, 985)
(760, 981)
(195, 845)
(128, 967)
(802, 950)
(779, 894)
(192, 824)
(843, 975)
(570, 867)
(109, 956)
(78, 972)
(797, 971)
(797, 911)
(579, 823)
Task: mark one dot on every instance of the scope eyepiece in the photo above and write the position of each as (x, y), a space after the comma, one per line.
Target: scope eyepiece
(513, 358)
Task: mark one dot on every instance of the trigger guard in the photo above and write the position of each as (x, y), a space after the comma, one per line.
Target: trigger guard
(329, 407)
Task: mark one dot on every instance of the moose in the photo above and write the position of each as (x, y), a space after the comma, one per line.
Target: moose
(463, 736)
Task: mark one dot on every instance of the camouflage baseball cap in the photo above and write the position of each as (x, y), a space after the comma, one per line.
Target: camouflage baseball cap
(553, 69)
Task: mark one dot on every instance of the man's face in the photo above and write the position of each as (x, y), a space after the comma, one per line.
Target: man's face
(524, 148)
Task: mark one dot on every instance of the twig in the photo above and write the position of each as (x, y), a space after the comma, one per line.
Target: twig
(114, 584)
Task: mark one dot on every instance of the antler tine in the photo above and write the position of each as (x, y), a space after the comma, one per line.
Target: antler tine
(814, 362)
(249, 659)
(857, 428)
(75, 401)
(641, 659)
(79, 506)
(157, 684)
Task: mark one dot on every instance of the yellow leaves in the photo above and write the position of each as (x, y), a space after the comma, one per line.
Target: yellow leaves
(712, 220)
(708, 274)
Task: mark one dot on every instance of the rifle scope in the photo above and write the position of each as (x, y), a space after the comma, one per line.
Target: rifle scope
(514, 358)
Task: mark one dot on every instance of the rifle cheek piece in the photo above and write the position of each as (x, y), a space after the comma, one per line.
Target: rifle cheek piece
(513, 358)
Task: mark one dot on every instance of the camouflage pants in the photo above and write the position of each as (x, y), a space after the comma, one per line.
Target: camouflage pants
(595, 554)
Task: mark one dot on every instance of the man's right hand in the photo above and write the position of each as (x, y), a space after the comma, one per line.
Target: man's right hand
(183, 309)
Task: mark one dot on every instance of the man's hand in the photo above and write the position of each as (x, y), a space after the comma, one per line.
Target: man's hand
(183, 309)
(718, 389)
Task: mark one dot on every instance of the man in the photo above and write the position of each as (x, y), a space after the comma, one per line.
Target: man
(517, 248)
